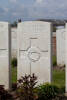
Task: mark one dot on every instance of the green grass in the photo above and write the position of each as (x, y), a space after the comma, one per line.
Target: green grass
(14, 74)
(58, 75)
(54, 60)
(59, 78)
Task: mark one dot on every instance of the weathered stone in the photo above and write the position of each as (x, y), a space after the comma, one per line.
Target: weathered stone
(60, 45)
(34, 50)
(5, 55)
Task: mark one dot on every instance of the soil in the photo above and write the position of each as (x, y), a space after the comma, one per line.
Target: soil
(60, 97)
(59, 68)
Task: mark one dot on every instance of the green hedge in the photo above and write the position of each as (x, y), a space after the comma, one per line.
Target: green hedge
(47, 92)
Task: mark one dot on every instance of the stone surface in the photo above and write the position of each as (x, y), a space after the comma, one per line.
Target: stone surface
(14, 42)
(5, 55)
(66, 56)
(34, 50)
(60, 46)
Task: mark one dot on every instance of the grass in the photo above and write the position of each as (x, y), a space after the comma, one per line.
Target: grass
(59, 78)
(54, 61)
(14, 74)
(58, 75)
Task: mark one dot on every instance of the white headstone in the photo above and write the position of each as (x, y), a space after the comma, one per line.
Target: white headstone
(60, 39)
(5, 55)
(66, 57)
(14, 42)
(34, 50)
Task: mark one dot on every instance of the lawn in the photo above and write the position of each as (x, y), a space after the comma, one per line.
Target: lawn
(14, 74)
(58, 77)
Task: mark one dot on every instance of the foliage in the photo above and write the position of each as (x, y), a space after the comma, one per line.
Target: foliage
(14, 24)
(14, 62)
(14, 86)
(54, 61)
(59, 78)
(54, 28)
(47, 92)
(19, 20)
(14, 74)
(4, 95)
(26, 87)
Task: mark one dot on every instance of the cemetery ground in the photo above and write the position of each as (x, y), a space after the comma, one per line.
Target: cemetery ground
(58, 77)
(58, 74)
(58, 82)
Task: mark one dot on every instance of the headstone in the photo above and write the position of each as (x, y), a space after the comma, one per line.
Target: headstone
(60, 39)
(66, 57)
(34, 50)
(14, 42)
(5, 55)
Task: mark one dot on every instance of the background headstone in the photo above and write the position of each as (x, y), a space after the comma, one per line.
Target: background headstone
(34, 50)
(14, 42)
(66, 57)
(5, 55)
(60, 39)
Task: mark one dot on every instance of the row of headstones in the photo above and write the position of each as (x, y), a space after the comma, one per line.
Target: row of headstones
(34, 51)
(60, 45)
(61, 39)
